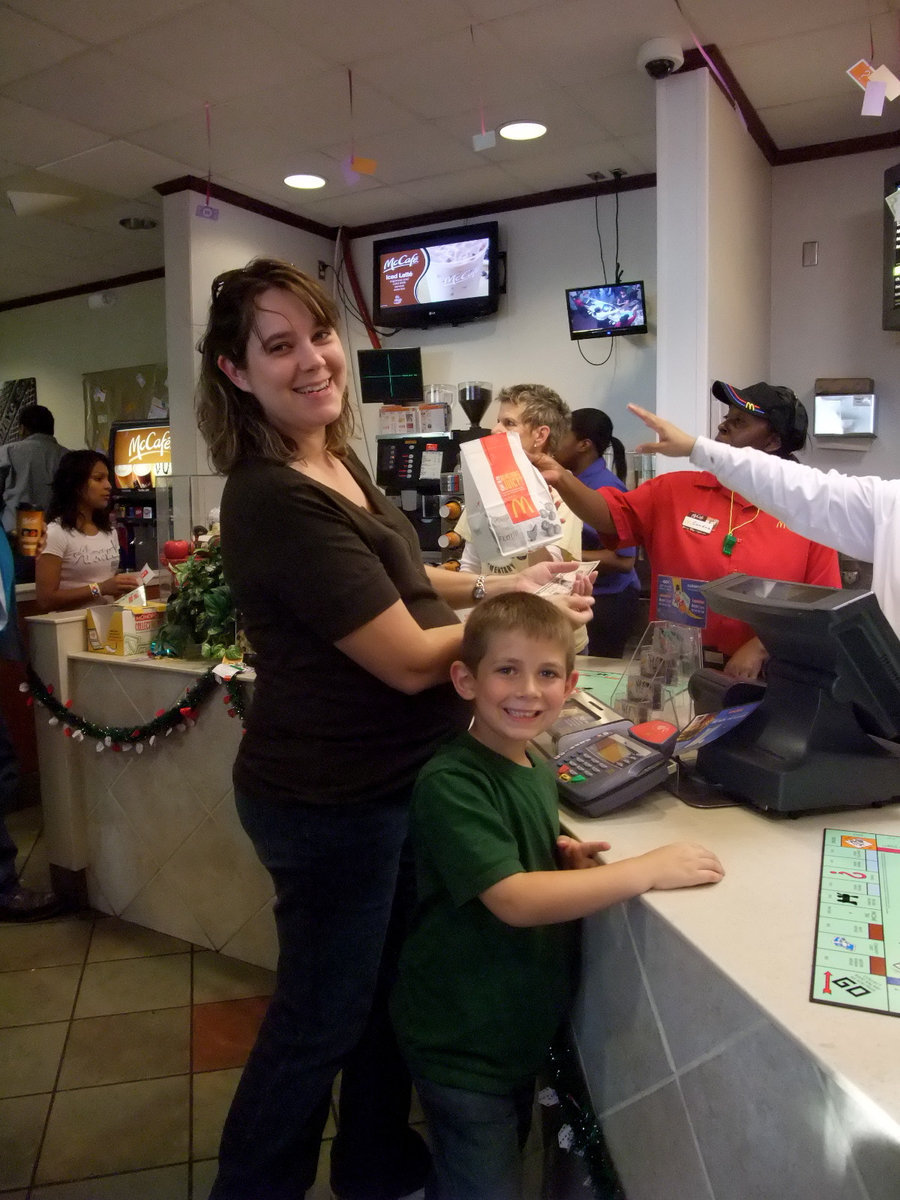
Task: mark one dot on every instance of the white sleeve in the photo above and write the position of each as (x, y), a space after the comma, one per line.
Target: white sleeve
(57, 540)
(836, 510)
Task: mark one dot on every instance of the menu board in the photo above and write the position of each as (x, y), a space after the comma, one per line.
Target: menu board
(141, 456)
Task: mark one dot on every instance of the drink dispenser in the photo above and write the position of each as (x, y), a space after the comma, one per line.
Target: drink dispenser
(475, 396)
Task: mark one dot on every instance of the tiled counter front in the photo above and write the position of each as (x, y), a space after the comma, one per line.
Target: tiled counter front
(153, 836)
(712, 1074)
(165, 847)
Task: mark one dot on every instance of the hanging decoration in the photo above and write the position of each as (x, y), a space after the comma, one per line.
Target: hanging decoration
(579, 1131)
(355, 165)
(180, 717)
(487, 139)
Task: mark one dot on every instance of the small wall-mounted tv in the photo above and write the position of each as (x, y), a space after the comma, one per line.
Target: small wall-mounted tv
(606, 310)
(445, 277)
(390, 376)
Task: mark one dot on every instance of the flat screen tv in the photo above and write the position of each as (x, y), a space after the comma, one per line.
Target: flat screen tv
(606, 310)
(445, 277)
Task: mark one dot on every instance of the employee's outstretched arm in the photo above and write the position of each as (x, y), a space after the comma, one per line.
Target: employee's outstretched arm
(583, 501)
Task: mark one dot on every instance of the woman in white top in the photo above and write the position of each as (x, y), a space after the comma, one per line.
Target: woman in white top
(78, 564)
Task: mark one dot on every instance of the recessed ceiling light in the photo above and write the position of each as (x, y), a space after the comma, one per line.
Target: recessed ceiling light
(522, 131)
(137, 223)
(304, 181)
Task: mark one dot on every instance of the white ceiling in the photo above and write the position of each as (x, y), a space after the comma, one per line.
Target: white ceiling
(100, 100)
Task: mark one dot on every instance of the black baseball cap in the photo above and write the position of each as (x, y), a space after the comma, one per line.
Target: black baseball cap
(777, 405)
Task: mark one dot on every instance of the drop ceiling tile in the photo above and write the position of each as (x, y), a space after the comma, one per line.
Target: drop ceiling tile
(107, 95)
(350, 31)
(240, 54)
(363, 208)
(119, 168)
(26, 46)
(98, 21)
(624, 104)
(412, 153)
(32, 137)
(478, 185)
(567, 125)
(731, 25)
(828, 119)
(453, 74)
(804, 66)
(578, 40)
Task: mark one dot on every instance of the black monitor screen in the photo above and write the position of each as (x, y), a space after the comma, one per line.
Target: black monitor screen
(606, 310)
(390, 376)
(821, 738)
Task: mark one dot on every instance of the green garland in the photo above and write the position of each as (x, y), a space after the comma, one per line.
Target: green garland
(182, 715)
(579, 1129)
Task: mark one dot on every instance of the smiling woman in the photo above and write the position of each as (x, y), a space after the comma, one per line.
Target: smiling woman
(353, 638)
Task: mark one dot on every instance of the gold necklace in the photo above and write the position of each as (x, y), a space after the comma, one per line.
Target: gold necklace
(729, 540)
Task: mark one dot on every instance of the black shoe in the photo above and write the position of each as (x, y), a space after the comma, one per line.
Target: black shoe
(404, 1180)
(22, 904)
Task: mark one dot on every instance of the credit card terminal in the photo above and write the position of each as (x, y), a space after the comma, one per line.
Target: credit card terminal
(598, 766)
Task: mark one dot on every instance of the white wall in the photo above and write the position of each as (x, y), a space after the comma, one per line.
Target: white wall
(826, 320)
(61, 340)
(548, 249)
(714, 217)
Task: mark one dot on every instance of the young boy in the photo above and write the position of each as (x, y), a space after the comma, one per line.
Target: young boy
(486, 974)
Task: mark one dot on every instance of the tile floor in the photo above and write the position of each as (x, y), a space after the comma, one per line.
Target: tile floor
(120, 1050)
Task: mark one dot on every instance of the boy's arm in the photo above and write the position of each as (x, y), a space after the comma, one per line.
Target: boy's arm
(548, 897)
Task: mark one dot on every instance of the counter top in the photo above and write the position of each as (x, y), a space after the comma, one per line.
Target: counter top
(758, 924)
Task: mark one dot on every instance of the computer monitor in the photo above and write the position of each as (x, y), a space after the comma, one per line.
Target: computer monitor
(822, 737)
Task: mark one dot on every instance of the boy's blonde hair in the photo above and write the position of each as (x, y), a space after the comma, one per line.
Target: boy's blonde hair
(515, 612)
(540, 405)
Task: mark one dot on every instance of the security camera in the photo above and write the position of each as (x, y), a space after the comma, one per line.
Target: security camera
(660, 57)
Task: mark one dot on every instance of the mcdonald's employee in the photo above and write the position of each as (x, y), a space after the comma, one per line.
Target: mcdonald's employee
(695, 529)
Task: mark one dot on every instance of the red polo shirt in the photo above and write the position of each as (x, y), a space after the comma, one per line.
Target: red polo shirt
(653, 516)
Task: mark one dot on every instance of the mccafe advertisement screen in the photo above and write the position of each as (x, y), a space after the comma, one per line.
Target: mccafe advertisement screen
(141, 456)
(432, 274)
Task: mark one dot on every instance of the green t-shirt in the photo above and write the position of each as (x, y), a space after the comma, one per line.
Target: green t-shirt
(478, 1001)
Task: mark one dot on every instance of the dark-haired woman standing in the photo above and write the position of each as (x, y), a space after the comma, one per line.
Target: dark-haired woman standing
(78, 564)
(353, 638)
(616, 592)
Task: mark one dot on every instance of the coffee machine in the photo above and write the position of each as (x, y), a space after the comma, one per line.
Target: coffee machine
(140, 454)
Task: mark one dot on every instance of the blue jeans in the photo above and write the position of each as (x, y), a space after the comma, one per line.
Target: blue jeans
(344, 887)
(476, 1141)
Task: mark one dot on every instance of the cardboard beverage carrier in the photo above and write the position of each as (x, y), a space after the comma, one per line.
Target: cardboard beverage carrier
(127, 627)
(508, 504)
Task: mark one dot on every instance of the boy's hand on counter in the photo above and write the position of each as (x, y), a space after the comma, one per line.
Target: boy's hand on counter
(574, 855)
(681, 864)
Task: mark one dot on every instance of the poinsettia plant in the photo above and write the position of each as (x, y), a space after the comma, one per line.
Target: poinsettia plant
(200, 610)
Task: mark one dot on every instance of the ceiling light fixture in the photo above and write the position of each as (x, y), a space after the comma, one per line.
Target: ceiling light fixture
(133, 223)
(522, 131)
(304, 181)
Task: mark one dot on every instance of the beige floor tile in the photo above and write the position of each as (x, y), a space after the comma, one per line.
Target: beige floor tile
(34, 872)
(164, 1183)
(213, 1092)
(29, 1058)
(120, 939)
(217, 977)
(134, 984)
(44, 944)
(127, 1046)
(204, 1178)
(123, 1127)
(21, 1126)
(29, 997)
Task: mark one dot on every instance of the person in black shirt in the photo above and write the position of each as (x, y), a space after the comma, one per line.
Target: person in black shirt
(353, 638)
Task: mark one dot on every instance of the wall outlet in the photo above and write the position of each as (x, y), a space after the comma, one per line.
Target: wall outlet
(323, 269)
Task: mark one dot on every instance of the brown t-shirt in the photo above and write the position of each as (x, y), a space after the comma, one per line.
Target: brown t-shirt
(308, 567)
